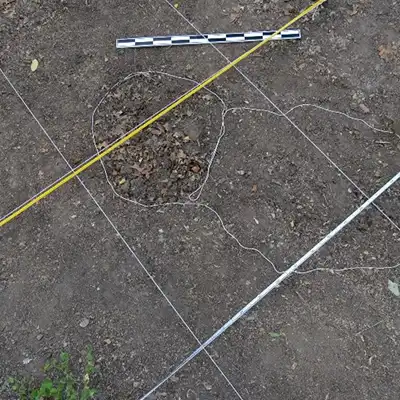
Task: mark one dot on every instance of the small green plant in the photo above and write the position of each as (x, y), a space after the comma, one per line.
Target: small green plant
(60, 383)
(276, 335)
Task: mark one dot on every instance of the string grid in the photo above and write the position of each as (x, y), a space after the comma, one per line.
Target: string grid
(193, 200)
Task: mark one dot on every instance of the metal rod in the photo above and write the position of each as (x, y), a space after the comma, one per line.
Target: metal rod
(277, 281)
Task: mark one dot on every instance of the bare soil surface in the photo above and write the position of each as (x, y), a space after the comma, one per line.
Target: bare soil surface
(278, 190)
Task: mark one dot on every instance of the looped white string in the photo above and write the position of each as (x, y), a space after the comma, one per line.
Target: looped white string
(192, 200)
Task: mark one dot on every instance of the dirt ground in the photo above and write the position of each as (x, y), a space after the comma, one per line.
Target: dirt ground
(324, 335)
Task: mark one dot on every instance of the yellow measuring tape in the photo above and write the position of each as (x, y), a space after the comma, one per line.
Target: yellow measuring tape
(163, 112)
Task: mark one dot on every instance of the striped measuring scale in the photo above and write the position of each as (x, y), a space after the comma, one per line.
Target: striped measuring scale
(214, 38)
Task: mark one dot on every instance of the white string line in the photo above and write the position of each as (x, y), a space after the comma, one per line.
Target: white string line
(338, 270)
(192, 201)
(343, 114)
(329, 110)
(283, 114)
(194, 196)
(276, 283)
(120, 236)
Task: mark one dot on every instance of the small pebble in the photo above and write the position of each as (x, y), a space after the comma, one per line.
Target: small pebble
(364, 108)
(84, 323)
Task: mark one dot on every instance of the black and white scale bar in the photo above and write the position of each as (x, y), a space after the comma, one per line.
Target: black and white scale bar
(182, 40)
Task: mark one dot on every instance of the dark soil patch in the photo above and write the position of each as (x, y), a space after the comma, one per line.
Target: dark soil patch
(167, 161)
